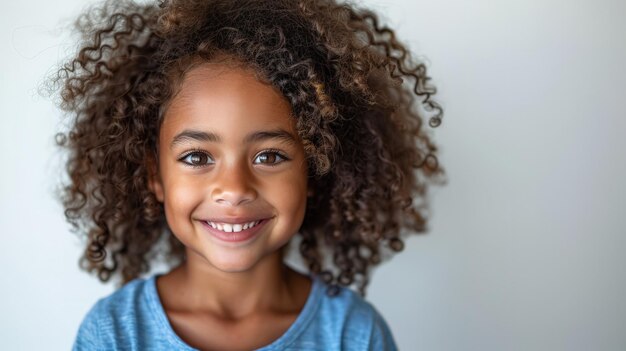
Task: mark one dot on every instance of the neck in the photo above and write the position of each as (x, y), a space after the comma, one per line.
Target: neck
(265, 287)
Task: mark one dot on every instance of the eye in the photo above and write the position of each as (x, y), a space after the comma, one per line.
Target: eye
(270, 158)
(197, 159)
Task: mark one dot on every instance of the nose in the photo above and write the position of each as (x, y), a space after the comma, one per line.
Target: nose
(233, 186)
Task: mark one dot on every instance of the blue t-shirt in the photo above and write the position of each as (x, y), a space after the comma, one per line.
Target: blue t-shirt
(133, 318)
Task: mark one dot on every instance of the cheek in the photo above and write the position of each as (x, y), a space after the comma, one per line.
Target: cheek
(181, 198)
(291, 194)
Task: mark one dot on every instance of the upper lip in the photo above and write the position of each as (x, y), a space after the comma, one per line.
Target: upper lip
(234, 220)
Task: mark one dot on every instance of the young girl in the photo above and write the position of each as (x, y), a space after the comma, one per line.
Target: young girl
(218, 131)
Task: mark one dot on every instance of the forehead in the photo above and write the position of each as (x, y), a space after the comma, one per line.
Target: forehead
(216, 96)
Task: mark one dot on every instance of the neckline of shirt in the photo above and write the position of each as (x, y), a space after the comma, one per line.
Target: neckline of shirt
(295, 329)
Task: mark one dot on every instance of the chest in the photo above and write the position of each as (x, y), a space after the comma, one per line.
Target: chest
(209, 333)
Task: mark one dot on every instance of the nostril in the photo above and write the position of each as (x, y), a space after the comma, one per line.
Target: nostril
(234, 198)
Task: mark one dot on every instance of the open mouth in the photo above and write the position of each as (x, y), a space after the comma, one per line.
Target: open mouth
(233, 227)
(235, 232)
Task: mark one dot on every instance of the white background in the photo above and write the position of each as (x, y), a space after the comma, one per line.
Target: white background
(526, 244)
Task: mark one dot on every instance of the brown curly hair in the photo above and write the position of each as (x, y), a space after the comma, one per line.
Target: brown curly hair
(352, 87)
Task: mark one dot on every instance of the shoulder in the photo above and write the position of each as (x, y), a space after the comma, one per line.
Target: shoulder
(362, 326)
(346, 305)
(113, 316)
(347, 321)
(124, 301)
(127, 295)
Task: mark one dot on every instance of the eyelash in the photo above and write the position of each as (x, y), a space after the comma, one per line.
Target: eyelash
(275, 152)
(194, 152)
(208, 156)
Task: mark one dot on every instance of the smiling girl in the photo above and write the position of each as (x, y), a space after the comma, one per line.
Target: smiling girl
(228, 128)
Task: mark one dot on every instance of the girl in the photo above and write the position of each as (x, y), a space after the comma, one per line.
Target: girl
(229, 129)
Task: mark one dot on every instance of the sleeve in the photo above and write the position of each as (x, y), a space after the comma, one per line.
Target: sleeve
(381, 338)
(88, 337)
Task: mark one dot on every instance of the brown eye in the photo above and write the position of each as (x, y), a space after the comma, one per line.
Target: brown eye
(197, 159)
(269, 158)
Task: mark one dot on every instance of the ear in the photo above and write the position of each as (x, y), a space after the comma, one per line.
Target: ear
(310, 186)
(154, 178)
(310, 191)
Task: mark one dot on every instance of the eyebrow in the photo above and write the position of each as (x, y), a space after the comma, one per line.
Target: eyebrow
(196, 135)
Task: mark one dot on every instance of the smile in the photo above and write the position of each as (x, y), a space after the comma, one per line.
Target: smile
(232, 227)
(235, 232)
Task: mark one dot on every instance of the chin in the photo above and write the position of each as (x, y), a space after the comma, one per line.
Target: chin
(233, 264)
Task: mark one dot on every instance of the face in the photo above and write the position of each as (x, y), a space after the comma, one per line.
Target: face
(232, 172)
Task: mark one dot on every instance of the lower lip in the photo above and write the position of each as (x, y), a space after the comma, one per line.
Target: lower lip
(233, 237)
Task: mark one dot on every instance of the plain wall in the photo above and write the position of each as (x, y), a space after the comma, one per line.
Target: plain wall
(525, 249)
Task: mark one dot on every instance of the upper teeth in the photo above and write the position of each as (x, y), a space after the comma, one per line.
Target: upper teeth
(233, 227)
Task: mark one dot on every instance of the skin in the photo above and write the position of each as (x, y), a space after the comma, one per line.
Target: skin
(231, 295)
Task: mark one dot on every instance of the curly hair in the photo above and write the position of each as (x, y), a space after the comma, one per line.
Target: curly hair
(352, 86)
